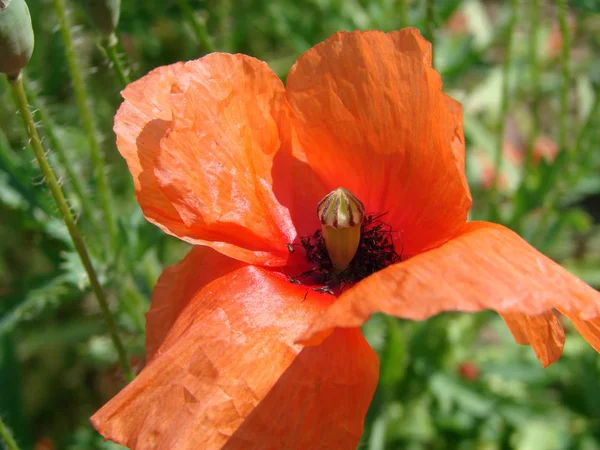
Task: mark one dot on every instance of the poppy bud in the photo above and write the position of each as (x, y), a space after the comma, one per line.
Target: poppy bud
(16, 36)
(341, 214)
(104, 14)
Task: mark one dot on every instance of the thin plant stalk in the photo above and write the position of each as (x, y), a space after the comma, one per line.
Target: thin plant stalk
(6, 437)
(87, 120)
(588, 124)
(534, 18)
(109, 46)
(74, 179)
(506, 66)
(403, 13)
(78, 242)
(565, 59)
(197, 26)
(430, 24)
(570, 174)
(224, 12)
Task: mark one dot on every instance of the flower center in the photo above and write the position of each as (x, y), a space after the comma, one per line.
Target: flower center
(341, 214)
(350, 245)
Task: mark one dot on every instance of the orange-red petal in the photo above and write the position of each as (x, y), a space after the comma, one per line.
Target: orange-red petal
(200, 139)
(589, 329)
(370, 116)
(177, 286)
(228, 374)
(544, 333)
(486, 266)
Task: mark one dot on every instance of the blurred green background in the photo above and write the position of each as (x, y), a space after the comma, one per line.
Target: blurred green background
(454, 382)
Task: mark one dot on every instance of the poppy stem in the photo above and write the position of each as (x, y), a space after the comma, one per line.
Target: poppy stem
(72, 176)
(87, 120)
(571, 173)
(109, 45)
(565, 59)
(534, 18)
(565, 56)
(198, 27)
(78, 242)
(430, 27)
(6, 437)
(504, 92)
(403, 13)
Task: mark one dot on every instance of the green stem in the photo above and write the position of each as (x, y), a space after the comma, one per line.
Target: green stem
(110, 48)
(59, 198)
(199, 28)
(87, 120)
(56, 145)
(535, 83)
(506, 66)
(565, 58)
(550, 201)
(403, 13)
(430, 25)
(588, 124)
(6, 437)
(569, 174)
(224, 20)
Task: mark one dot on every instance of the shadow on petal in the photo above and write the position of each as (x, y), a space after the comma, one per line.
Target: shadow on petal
(319, 402)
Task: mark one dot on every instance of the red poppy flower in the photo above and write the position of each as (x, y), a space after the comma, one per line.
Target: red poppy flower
(225, 157)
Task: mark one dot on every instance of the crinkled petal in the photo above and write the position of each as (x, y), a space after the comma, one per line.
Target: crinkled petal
(228, 375)
(177, 286)
(589, 329)
(370, 116)
(544, 333)
(200, 139)
(486, 266)
(141, 122)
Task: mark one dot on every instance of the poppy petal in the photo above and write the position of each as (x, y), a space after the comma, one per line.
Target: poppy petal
(140, 123)
(544, 333)
(370, 116)
(228, 374)
(200, 139)
(177, 285)
(458, 139)
(589, 329)
(486, 266)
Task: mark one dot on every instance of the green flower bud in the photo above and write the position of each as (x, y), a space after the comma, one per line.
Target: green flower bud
(16, 37)
(341, 214)
(104, 14)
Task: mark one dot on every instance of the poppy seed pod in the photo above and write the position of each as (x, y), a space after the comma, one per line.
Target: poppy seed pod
(16, 36)
(104, 14)
(341, 214)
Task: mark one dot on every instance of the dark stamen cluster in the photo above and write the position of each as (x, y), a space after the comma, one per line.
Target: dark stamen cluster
(375, 252)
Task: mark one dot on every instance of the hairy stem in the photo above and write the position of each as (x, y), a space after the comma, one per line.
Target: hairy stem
(87, 120)
(110, 48)
(73, 177)
(78, 242)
